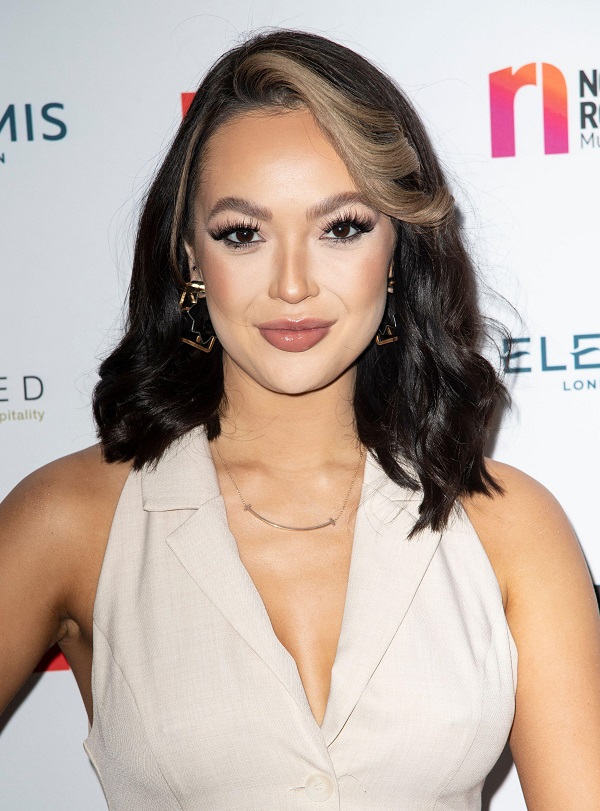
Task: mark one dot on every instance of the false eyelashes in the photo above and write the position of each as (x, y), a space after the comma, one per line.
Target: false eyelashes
(362, 224)
(231, 226)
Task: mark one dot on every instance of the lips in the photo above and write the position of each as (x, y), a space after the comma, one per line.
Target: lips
(294, 335)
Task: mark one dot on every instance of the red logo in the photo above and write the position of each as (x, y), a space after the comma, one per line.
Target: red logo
(186, 100)
(54, 659)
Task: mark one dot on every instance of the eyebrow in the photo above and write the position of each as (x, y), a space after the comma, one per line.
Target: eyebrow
(322, 209)
(242, 205)
(334, 202)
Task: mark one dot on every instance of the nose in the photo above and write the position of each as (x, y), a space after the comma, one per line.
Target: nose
(292, 280)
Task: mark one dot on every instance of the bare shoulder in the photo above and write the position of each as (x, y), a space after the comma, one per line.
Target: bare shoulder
(55, 524)
(54, 527)
(552, 613)
(524, 531)
(523, 499)
(63, 495)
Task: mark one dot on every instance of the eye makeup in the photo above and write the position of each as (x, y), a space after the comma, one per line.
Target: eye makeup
(244, 230)
(224, 232)
(362, 223)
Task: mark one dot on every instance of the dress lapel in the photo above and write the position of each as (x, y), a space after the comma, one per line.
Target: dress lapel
(207, 550)
(385, 572)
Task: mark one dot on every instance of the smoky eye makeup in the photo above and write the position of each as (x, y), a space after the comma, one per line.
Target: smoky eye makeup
(242, 230)
(339, 224)
(345, 226)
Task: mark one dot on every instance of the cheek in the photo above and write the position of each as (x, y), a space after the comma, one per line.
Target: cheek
(349, 282)
(228, 295)
(364, 290)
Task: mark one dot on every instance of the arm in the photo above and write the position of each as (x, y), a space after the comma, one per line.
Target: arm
(553, 615)
(32, 582)
(53, 531)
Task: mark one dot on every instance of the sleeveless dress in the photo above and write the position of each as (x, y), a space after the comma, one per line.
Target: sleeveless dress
(199, 707)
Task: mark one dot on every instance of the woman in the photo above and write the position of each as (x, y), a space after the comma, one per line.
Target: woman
(315, 587)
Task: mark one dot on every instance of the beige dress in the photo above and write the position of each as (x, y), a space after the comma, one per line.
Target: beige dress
(198, 706)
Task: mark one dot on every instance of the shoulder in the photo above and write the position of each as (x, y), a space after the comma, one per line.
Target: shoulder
(552, 613)
(523, 507)
(65, 493)
(54, 527)
(527, 536)
(56, 518)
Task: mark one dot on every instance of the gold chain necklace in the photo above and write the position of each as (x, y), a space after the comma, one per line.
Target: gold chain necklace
(329, 523)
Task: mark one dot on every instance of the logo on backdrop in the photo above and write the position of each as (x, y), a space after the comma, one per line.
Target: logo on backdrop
(552, 84)
(186, 100)
(504, 86)
(575, 361)
(21, 399)
(53, 659)
(21, 123)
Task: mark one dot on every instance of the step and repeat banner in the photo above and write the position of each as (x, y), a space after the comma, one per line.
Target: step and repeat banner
(91, 95)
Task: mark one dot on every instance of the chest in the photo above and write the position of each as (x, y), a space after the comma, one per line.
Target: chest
(189, 671)
(197, 700)
(302, 580)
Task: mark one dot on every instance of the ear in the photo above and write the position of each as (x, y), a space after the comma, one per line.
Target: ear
(192, 264)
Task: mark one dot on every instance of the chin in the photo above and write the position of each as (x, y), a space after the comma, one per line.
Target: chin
(295, 373)
(295, 381)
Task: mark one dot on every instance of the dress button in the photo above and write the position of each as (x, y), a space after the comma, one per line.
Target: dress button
(319, 787)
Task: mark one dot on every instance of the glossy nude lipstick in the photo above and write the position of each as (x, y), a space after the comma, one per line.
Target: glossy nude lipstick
(294, 336)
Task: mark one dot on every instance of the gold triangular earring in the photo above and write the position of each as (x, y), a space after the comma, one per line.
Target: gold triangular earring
(388, 329)
(196, 328)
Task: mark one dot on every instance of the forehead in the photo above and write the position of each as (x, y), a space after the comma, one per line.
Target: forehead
(268, 149)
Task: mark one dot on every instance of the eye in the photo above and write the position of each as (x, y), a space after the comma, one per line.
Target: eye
(237, 234)
(347, 227)
(343, 230)
(242, 236)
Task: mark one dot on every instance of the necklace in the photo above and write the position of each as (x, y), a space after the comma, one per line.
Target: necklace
(329, 523)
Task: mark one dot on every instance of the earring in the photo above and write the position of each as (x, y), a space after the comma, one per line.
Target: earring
(194, 317)
(388, 329)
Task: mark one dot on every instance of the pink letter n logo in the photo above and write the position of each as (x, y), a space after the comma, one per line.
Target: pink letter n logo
(504, 85)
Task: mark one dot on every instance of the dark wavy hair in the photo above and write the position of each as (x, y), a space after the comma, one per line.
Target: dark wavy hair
(424, 404)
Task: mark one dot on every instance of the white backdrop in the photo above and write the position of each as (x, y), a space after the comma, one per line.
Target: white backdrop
(90, 97)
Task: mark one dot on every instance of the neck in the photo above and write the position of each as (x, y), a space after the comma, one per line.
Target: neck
(274, 430)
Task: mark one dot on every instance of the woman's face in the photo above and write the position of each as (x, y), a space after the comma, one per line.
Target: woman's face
(294, 261)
